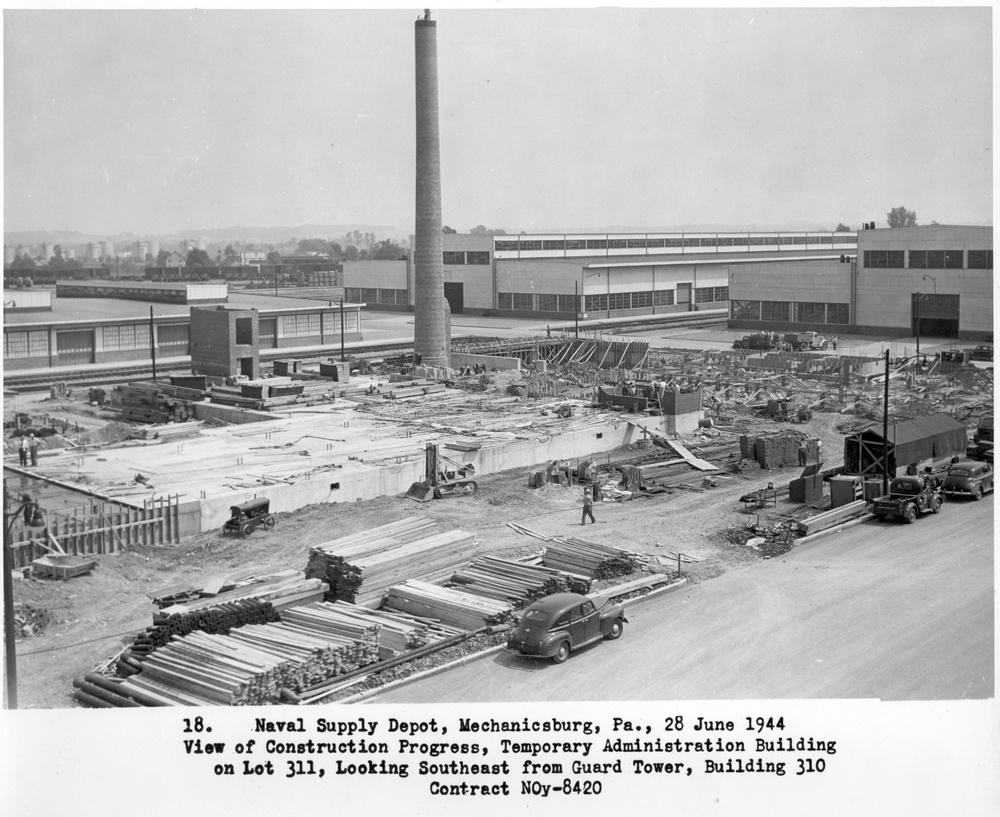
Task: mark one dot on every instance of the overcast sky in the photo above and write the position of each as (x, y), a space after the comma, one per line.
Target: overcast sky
(160, 121)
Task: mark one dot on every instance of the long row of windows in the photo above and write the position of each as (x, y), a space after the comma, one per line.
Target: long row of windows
(629, 300)
(536, 302)
(790, 312)
(31, 343)
(467, 257)
(534, 244)
(928, 259)
(296, 326)
(117, 338)
(370, 295)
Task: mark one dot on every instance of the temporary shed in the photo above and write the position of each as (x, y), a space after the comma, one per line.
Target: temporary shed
(937, 437)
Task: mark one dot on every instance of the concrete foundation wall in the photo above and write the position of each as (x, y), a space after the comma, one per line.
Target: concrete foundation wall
(493, 362)
(230, 414)
(359, 481)
(683, 423)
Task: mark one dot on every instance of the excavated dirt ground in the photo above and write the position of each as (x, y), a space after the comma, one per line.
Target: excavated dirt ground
(76, 625)
(91, 617)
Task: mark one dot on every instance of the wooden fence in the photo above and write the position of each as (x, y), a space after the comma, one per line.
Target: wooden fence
(99, 528)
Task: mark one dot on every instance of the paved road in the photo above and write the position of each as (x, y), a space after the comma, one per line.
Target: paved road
(882, 610)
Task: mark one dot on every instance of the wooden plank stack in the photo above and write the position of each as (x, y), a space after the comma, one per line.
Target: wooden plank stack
(509, 581)
(282, 590)
(251, 664)
(832, 518)
(399, 631)
(361, 567)
(599, 561)
(452, 607)
(220, 619)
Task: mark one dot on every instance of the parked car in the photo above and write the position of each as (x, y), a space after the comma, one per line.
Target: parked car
(968, 479)
(982, 352)
(555, 625)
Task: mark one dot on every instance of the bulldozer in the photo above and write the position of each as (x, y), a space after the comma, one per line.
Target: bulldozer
(440, 480)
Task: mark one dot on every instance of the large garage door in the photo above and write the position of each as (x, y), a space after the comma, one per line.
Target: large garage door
(684, 295)
(174, 339)
(935, 315)
(75, 346)
(267, 333)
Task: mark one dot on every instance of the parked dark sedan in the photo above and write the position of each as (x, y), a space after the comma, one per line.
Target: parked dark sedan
(553, 626)
(982, 352)
(969, 479)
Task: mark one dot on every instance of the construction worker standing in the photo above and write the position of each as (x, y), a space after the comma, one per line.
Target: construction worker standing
(588, 505)
(22, 451)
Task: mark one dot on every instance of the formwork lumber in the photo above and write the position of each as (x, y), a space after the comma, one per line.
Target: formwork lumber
(831, 518)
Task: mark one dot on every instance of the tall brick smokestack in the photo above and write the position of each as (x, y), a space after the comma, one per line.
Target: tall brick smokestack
(430, 336)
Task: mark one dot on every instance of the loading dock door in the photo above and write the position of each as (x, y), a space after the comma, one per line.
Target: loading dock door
(173, 339)
(267, 333)
(684, 295)
(935, 315)
(75, 346)
(454, 293)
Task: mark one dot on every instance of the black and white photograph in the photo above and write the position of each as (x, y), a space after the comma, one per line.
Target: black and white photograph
(475, 409)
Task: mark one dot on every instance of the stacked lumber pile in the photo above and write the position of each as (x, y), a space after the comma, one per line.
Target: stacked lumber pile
(832, 518)
(413, 389)
(591, 559)
(284, 589)
(509, 581)
(361, 567)
(399, 631)
(252, 664)
(771, 451)
(219, 620)
(455, 608)
(150, 403)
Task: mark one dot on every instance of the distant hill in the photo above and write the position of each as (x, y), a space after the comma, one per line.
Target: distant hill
(217, 235)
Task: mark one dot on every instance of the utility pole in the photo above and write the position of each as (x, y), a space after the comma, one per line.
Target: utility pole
(342, 358)
(10, 652)
(152, 341)
(885, 430)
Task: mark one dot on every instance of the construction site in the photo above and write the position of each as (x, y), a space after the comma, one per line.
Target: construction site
(247, 529)
(343, 525)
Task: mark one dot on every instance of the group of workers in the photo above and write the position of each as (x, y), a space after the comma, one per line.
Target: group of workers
(28, 447)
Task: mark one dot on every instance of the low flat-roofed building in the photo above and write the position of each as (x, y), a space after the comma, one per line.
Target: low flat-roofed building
(81, 331)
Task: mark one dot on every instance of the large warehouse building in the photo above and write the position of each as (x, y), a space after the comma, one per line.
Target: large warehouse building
(935, 280)
(874, 281)
(556, 276)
